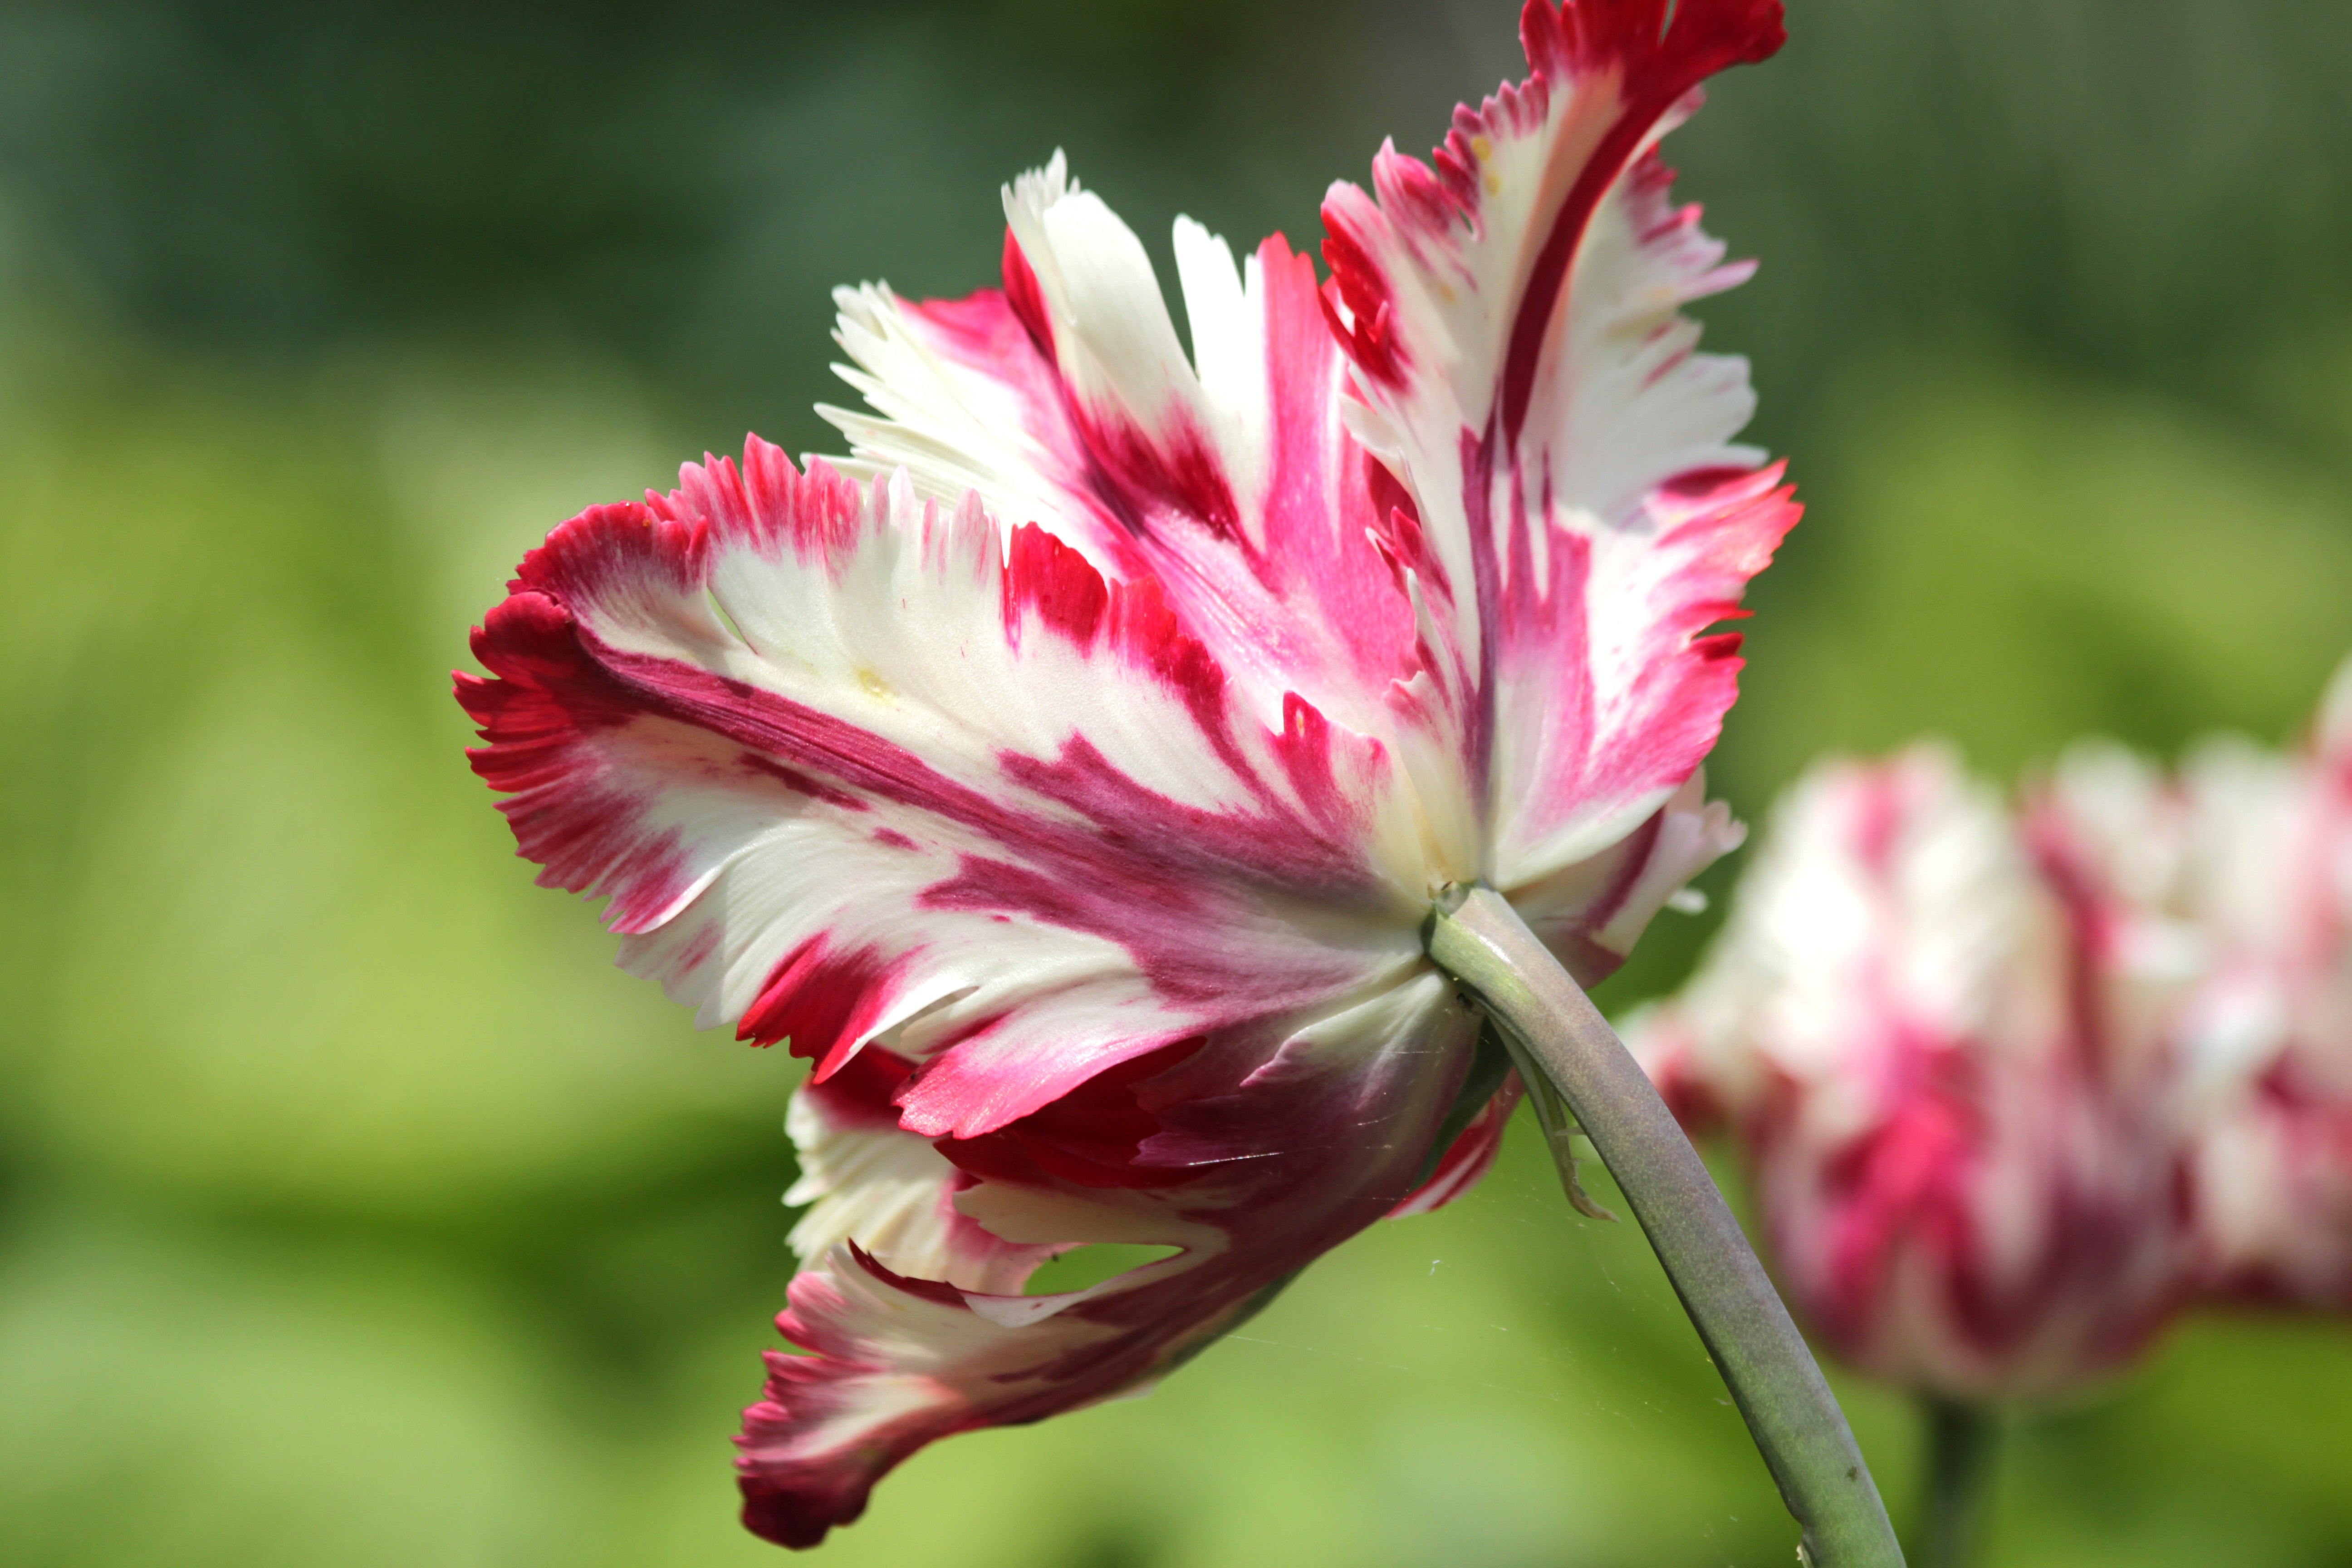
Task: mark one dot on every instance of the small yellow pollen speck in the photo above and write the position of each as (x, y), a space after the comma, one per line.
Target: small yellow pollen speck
(875, 686)
(1481, 149)
(1493, 183)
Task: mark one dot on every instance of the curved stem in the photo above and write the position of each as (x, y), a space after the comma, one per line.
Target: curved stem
(1481, 941)
(1960, 1440)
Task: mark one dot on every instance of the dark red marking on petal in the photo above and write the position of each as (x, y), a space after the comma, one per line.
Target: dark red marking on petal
(1278, 579)
(1467, 1159)
(1145, 479)
(1130, 874)
(1661, 60)
(1027, 299)
(1090, 1136)
(565, 802)
(589, 732)
(1399, 523)
(1358, 283)
(1149, 479)
(936, 1290)
(1044, 575)
(1586, 959)
(1477, 457)
(1660, 719)
(800, 784)
(862, 1091)
(1290, 1162)
(1699, 484)
(825, 1002)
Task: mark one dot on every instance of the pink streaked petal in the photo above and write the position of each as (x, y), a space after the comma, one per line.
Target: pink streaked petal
(1580, 515)
(1607, 692)
(844, 764)
(2272, 1184)
(1064, 399)
(2234, 871)
(892, 1193)
(1501, 218)
(1592, 911)
(1277, 1142)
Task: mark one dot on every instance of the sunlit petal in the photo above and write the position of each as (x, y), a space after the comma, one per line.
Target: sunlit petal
(1573, 511)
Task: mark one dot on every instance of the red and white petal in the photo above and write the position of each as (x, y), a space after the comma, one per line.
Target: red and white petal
(1592, 912)
(1261, 1149)
(867, 1180)
(2272, 1176)
(845, 764)
(1066, 400)
(1580, 514)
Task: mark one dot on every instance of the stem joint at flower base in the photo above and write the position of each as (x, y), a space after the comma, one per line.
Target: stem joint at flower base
(1565, 1050)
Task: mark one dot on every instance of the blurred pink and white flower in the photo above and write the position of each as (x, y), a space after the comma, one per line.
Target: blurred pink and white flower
(1941, 1052)
(2240, 865)
(2016, 1084)
(1067, 774)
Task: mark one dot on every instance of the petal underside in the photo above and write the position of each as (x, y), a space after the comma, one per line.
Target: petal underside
(1251, 1154)
(1574, 514)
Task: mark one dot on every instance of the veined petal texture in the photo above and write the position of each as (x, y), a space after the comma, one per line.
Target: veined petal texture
(1067, 772)
(845, 763)
(1064, 399)
(1569, 508)
(1081, 950)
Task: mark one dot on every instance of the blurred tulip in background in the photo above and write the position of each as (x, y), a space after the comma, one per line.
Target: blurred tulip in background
(2016, 1086)
(1948, 1082)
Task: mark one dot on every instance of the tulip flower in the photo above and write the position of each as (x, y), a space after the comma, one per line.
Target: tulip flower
(2015, 1086)
(2240, 867)
(1943, 1060)
(1070, 771)
(1944, 1039)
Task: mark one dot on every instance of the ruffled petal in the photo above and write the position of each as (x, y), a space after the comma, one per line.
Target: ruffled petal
(1066, 400)
(845, 763)
(1592, 912)
(1573, 514)
(867, 1180)
(1252, 1153)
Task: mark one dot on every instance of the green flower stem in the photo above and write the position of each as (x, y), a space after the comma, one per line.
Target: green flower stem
(1961, 1441)
(1478, 938)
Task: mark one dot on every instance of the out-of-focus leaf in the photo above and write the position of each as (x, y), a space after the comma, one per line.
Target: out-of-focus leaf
(267, 932)
(236, 1408)
(2014, 559)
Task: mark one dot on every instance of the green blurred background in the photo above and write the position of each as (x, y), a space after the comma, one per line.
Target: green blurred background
(355, 1210)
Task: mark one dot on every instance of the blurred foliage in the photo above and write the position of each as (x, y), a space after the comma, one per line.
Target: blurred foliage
(353, 1209)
